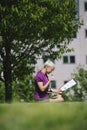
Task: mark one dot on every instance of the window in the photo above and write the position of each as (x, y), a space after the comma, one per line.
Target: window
(85, 6)
(75, 35)
(72, 59)
(86, 33)
(65, 59)
(65, 81)
(53, 84)
(68, 59)
(86, 59)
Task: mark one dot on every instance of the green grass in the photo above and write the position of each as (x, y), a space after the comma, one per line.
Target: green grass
(43, 116)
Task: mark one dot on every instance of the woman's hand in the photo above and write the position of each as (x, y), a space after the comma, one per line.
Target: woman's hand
(52, 79)
(60, 91)
(55, 91)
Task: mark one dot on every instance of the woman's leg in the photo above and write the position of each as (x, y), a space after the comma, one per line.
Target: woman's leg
(58, 99)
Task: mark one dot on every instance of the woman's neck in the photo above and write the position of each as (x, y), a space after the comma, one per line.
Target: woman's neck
(44, 70)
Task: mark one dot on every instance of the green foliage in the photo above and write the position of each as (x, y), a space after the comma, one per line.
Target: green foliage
(79, 91)
(35, 24)
(2, 92)
(33, 28)
(23, 90)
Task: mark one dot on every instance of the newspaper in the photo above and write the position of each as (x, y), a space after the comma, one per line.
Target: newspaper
(69, 84)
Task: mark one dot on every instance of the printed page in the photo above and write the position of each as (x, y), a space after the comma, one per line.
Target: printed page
(69, 84)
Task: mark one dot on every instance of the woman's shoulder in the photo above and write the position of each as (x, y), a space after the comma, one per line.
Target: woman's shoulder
(39, 73)
(39, 76)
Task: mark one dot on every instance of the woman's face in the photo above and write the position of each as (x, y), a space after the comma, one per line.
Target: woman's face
(49, 69)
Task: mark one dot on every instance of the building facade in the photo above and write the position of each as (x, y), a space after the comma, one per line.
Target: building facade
(70, 61)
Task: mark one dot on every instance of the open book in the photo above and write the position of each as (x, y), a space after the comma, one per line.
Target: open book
(67, 85)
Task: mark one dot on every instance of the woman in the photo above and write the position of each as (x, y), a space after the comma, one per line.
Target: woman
(42, 84)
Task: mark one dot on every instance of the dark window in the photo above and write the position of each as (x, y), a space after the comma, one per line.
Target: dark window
(68, 59)
(45, 58)
(75, 35)
(86, 59)
(65, 82)
(86, 33)
(65, 59)
(72, 59)
(53, 84)
(85, 6)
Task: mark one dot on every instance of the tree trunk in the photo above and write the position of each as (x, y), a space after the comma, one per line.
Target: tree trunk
(7, 73)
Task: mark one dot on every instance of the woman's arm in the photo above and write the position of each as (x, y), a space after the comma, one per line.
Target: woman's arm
(41, 87)
(56, 91)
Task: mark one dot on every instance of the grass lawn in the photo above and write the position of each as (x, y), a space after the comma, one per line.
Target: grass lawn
(43, 116)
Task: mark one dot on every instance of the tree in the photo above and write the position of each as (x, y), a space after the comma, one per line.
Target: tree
(79, 91)
(32, 28)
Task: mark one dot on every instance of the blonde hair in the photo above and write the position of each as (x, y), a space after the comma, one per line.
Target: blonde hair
(49, 63)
